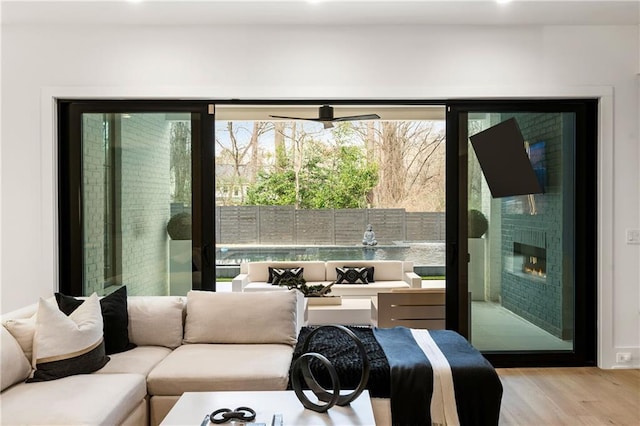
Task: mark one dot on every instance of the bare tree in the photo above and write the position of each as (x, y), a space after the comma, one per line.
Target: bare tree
(279, 145)
(240, 155)
(411, 158)
(392, 171)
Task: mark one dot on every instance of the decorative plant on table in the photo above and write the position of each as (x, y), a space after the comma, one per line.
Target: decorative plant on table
(316, 290)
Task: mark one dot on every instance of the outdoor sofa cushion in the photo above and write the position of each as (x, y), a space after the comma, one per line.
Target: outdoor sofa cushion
(366, 290)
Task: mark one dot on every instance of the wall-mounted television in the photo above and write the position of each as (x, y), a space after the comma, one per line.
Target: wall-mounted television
(504, 161)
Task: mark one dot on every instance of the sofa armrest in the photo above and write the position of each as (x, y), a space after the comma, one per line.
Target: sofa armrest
(302, 312)
(414, 280)
(239, 282)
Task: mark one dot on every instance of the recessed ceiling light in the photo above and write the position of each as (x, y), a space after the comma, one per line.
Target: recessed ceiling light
(503, 1)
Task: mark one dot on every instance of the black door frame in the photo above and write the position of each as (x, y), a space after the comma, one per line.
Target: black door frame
(70, 220)
(585, 222)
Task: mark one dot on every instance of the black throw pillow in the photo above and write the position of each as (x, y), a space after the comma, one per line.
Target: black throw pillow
(278, 274)
(115, 318)
(350, 275)
(370, 271)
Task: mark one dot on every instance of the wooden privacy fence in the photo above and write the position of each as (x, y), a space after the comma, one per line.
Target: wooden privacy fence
(282, 225)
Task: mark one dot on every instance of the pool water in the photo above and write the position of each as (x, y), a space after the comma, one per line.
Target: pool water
(427, 253)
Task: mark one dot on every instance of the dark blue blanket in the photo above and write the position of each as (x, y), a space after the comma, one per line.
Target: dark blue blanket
(477, 387)
(399, 372)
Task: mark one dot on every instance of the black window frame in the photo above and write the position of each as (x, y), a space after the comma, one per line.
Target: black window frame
(70, 220)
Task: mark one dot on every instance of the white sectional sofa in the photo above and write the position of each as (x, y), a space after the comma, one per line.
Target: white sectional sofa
(388, 275)
(203, 342)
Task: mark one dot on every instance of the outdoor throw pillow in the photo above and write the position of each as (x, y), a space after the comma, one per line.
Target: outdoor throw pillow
(278, 274)
(68, 345)
(370, 271)
(351, 276)
(114, 315)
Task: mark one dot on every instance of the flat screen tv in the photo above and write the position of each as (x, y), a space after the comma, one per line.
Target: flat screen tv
(504, 161)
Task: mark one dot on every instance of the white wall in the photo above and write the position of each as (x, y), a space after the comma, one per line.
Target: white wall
(39, 62)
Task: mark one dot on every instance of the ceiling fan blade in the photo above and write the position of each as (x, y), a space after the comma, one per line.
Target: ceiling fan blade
(358, 117)
(326, 117)
(291, 118)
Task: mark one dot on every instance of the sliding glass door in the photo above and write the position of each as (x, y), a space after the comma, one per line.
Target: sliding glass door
(131, 203)
(523, 276)
(520, 249)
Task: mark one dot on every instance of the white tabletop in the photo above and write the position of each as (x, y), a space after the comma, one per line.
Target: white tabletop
(192, 407)
(350, 312)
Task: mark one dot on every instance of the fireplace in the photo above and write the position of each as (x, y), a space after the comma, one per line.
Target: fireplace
(530, 260)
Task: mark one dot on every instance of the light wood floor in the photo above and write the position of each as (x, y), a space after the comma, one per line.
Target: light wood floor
(569, 396)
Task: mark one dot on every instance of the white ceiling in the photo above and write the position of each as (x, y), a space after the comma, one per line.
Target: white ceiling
(328, 12)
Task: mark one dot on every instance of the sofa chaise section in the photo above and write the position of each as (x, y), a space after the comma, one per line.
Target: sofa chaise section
(84, 399)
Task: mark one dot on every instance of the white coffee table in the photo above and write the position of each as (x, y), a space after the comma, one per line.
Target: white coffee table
(350, 312)
(192, 407)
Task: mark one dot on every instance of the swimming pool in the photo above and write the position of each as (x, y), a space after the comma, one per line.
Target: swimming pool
(426, 253)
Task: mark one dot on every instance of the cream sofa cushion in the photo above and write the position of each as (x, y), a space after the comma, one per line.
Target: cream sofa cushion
(139, 360)
(155, 320)
(211, 367)
(254, 317)
(85, 399)
(14, 364)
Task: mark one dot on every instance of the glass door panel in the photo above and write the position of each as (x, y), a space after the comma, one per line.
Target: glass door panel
(521, 257)
(136, 203)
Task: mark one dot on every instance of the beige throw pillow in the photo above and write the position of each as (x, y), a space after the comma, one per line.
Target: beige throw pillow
(23, 330)
(252, 317)
(155, 320)
(14, 364)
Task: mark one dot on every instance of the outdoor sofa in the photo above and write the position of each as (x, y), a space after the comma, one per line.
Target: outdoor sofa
(387, 275)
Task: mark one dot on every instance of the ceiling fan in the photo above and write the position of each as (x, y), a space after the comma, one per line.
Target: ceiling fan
(325, 116)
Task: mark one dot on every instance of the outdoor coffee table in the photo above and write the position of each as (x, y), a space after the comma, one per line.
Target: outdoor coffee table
(350, 312)
(192, 407)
